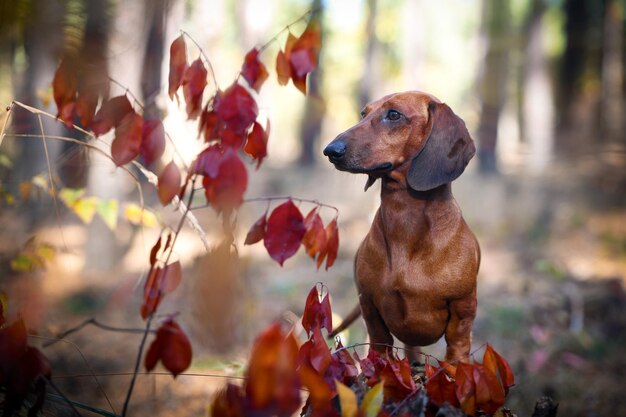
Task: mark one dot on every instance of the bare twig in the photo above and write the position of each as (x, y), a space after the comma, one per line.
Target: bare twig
(206, 58)
(95, 323)
(288, 27)
(274, 198)
(67, 400)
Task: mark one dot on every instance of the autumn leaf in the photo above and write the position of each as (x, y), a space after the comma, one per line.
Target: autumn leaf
(253, 70)
(499, 366)
(489, 392)
(64, 85)
(155, 250)
(111, 114)
(178, 65)
(440, 387)
(304, 54)
(169, 183)
(140, 216)
(373, 401)
(314, 240)
(228, 402)
(397, 378)
(317, 314)
(231, 139)
(225, 190)
(152, 140)
(271, 377)
(347, 400)
(285, 229)
(210, 124)
(208, 161)
(160, 281)
(86, 104)
(283, 68)
(236, 108)
(170, 346)
(257, 231)
(342, 366)
(256, 145)
(329, 250)
(194, 82)
(127, 142)
(108, 211)
(465, 388)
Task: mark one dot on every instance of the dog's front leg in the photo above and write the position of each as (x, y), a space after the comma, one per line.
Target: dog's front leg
(459, 330)
(380, 337)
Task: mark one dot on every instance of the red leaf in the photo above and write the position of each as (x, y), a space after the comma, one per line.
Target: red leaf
(111, 114)
(169, 183)
(329, 251)
(342, 366)
(285, 229)
(440, 387)
(397, 378)
(319, 354)
(256, 145)
(171, 346)
(283, 68)
(371, 366)
(489, 391)
(152, 140)
(127, 142)
(320, 394)
(257, 231)
(154, 251)
(271, 376)
(465, 388)
(66, 113)
(253, 70)
(12, 346)
(498, 365)
(314, 239)
(64, 85)
(86, 104)
(304, 54)
(159, 282)
(209, 125)
(231, 139)
(317, 314)
(236, 108)
(194, 82)
(225, 190)
(208, 162)
(178, 65)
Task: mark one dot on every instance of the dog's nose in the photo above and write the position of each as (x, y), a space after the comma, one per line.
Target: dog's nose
(335, 149)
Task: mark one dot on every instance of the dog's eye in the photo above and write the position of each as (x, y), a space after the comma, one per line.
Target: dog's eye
(393, 115)
(363, 114)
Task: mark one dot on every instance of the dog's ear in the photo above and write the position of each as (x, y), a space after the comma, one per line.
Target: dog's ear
(446, 152)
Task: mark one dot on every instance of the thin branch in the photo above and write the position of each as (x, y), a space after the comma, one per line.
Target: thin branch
(288, 27)
(151, 316)
(6, 121)
(95, 323)
(274, 198)
(127, 91)
(206, 58)
(63, 397)
(110, 374)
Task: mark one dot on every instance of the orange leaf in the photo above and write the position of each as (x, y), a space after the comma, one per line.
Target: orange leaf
(253, 70)
(152, 140)
(396, 375)
(489, 391)
(320, 393)
(283, 68)
(498, 365)
(332, 244)
(86, 104)
(271, 377)
(440, 388)
(154, 251)
(178, 65)
(127, 142)
(172, 347)
(169, 183)
(285, 229)
(305, 53)
(257, 231)
(256, 145)
(159, 282)
(194, 82)
(465, 388)
(64, 86)
(111, 114)
(228, 402)
(314, 239)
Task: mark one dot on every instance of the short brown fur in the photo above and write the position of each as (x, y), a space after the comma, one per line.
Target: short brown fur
(416, 269)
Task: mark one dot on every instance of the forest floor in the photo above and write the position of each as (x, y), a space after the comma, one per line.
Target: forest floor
(551, 289)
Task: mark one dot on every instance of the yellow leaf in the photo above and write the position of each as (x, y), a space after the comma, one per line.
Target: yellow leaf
(372, 401)
(85, 208)
(139, 216)
(45, 251)
(347, 400)
(68, 195)
(108, 211)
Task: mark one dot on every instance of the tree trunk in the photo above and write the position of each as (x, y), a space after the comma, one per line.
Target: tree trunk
(493, 82)
(612, 110)
(314, 106)
(537, 101)
(371, 72)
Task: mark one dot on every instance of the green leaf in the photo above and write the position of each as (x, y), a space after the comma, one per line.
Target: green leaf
(108, 210)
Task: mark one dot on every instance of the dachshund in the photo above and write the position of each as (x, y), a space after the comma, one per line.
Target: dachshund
(416, 269)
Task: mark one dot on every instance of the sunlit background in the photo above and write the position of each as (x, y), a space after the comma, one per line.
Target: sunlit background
(539, 83)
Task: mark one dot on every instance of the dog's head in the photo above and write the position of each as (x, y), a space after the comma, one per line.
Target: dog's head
(408, 135)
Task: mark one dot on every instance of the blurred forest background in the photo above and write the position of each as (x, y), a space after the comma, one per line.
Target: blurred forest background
(540, 84)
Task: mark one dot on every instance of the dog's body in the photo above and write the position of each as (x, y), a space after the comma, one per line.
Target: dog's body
(416, 269)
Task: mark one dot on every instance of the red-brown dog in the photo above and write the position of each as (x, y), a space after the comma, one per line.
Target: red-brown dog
(416, 269)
